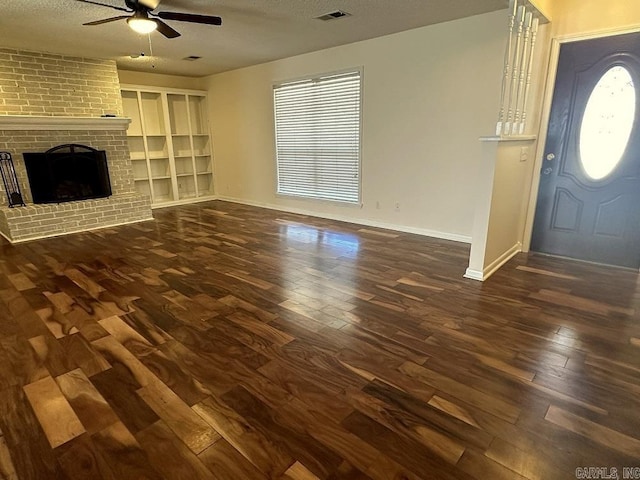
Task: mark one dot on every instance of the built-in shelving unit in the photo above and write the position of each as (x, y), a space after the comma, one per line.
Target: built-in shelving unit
(169, 143)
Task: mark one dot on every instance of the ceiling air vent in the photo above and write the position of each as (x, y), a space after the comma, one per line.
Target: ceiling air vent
(191, 58)
(333, 15)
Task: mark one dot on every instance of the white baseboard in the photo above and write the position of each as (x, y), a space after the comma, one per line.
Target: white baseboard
(358, 221)
(188, 201)
(493, 266)
(474, 274)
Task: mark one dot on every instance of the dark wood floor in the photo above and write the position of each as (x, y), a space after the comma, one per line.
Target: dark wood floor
(226, 341)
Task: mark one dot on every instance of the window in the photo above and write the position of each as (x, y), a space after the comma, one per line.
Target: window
(318, 137)
(607, 123)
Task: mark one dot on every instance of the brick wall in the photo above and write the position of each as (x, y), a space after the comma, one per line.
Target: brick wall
(39, 221)
(114, 142)
(45, 85)
(33, 83)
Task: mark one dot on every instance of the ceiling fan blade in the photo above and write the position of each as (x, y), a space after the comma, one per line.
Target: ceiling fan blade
(105, 5)
(165, 29)
(190, 17)
(106, 20)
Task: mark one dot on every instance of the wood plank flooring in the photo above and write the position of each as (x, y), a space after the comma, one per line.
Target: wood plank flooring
(224, 341)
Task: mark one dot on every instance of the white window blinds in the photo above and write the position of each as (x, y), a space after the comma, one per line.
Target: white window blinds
(318, 137)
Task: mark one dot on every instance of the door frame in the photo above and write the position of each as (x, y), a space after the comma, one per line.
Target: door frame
(549, 90)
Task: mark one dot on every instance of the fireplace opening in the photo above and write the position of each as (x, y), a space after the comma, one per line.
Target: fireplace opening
(67, 173)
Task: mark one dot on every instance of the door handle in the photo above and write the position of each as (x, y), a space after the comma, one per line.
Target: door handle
(547, 171)
(551, 156)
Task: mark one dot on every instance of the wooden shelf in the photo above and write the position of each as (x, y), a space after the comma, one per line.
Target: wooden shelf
(169, 144)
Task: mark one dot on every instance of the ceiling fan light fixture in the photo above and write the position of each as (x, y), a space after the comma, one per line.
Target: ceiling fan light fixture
(140, 23)
(140, 11)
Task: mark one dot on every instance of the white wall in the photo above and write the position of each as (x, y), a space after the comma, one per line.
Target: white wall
(160, 80)
(429, 93)
(501, 205)
(508, 204)
(571, 17)
(504, 183)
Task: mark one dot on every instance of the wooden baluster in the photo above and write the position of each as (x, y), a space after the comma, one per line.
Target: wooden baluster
(524, 64)
(516, 66)
(532, 46)
(507, 65)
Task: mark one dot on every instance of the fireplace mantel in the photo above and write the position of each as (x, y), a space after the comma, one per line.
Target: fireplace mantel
(32, 122)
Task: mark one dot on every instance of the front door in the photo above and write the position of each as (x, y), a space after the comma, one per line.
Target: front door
(589, 198)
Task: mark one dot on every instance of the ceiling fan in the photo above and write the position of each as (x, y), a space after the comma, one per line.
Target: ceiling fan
(143, 19)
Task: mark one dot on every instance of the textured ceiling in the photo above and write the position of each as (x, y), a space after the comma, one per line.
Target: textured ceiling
(253, 31)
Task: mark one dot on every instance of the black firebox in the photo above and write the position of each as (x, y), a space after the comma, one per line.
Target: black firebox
(66, 173)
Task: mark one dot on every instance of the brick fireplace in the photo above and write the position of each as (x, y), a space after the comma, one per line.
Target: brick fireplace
(48, 100)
